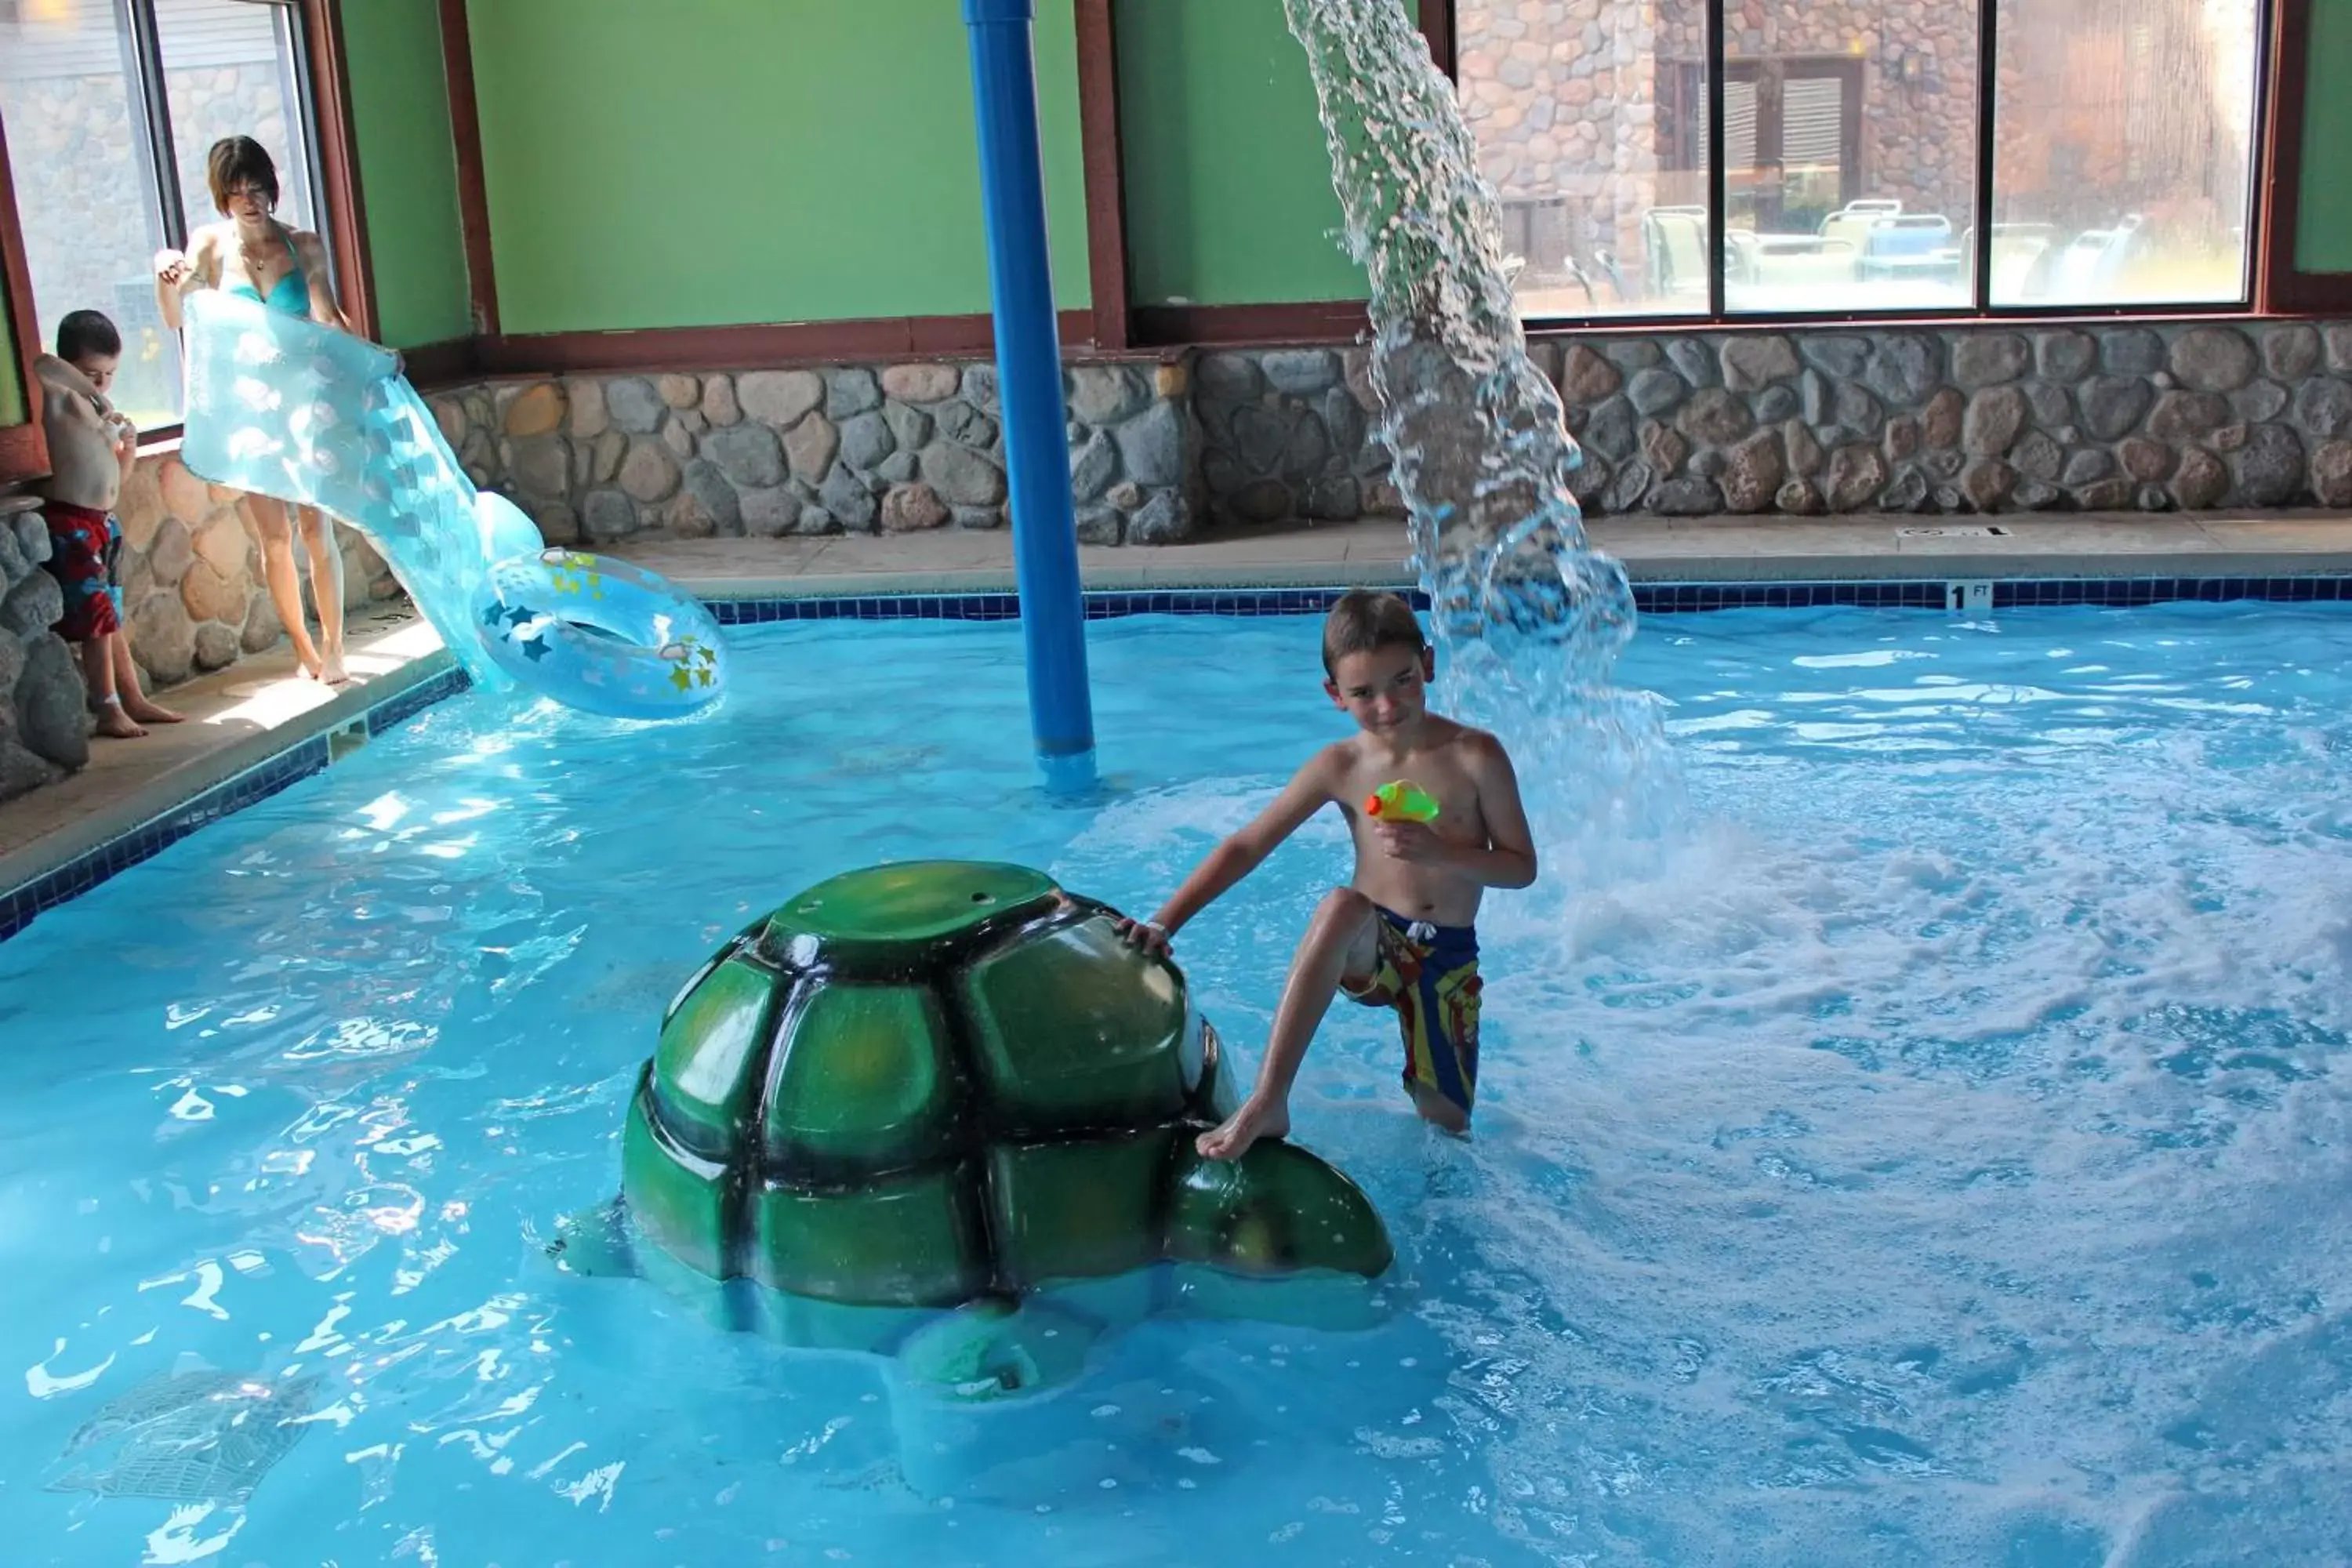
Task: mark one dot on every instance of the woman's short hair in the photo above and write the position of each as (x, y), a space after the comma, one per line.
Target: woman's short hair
(237, 161)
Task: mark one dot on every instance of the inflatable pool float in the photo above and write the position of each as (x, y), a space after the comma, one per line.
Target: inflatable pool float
(282, 406)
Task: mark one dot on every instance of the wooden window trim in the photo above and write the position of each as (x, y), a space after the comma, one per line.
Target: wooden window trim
(339, 163)
(2281, 288)
(473, 192)
(1107, 273)
(23, 449)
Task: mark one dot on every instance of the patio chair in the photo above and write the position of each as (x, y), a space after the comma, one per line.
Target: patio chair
(2094, 260)
(1909, 245)
(1676, 239)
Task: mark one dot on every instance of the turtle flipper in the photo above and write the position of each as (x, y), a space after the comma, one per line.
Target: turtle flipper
(990, 1351)
(595, 1243)
(1276, 1210)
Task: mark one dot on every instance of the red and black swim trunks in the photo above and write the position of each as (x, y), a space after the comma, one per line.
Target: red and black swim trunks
(83, 545)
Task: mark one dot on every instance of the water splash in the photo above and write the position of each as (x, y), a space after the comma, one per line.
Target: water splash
(1528, 617)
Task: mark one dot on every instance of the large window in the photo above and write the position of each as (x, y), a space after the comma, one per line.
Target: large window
(110, 107)
(1789, 157)
(1591, 121)
(2123, 151)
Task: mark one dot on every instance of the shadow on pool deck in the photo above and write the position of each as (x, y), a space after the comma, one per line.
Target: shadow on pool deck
(243, 715)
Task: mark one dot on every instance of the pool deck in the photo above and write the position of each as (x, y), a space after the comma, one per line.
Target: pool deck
(1702, 550)
(237, 719)
(245, 715)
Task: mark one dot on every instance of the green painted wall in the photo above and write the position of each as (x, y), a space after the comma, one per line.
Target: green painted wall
(1228, 186)
(13, 409)
(2323, 236)
(693, 162)
(408, 170)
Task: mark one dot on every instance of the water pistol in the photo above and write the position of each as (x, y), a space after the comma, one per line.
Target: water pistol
(1400, 801)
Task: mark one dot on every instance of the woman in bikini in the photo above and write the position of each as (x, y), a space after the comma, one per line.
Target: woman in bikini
(284, 268)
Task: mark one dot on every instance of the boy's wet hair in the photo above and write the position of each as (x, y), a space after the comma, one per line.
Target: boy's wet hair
(85, 335)
(1366, 620)
(239, 161)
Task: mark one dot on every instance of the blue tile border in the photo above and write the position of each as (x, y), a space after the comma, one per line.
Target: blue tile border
(1100, 604)
(18, 905)
(1649, 598)
(1689, 598)
(300, 761)
(2024, 593)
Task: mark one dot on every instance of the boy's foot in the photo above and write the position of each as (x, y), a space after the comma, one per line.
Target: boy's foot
(113, 720)
(1440, 1112)
(148, 712)
(1253, 1121)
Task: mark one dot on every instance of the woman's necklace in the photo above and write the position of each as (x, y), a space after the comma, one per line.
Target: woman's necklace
(252, 260)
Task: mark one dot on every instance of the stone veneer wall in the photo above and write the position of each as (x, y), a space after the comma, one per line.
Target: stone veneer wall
(44, 725)
(193, 600)
(2186, 417)
(858, 449)
(1829, 420)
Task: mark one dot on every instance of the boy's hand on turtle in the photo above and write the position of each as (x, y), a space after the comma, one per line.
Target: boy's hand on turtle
(1144, 934)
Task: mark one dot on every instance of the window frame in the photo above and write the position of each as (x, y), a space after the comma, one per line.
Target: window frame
(2269, 284)
(322, 81)
(24, 448)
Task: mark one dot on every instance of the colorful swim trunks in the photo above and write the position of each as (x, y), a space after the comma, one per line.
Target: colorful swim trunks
(1428, 974)
(83, 545)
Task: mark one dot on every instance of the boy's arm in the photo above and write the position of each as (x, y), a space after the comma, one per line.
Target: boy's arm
(126, 441)
(1508, 858)
(65, 392)
(1307, 792)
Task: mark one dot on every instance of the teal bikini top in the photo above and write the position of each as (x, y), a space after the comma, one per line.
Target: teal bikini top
(292, 292)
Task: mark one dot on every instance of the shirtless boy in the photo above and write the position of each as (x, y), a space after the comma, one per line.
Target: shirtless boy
(1401, 934)
(93, 449)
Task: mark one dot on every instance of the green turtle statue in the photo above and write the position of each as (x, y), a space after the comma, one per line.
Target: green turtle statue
(939, 1111)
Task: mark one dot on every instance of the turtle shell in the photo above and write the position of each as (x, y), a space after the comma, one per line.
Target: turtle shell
(920, 1084)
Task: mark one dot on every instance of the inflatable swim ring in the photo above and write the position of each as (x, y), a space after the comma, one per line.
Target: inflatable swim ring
(601, 635)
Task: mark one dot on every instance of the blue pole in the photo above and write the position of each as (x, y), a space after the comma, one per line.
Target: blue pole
(1029, 380)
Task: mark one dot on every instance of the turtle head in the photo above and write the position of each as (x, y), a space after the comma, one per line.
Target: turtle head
(1276, 1210)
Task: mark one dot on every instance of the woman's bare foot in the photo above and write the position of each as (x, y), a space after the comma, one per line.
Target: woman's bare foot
(113, 720)
(148, 712)
(1254, 1120)
(331, 669)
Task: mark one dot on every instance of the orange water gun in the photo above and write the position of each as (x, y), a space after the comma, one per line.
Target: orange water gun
(1403, 801)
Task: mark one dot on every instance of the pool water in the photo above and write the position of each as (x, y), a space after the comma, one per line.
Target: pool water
(1927, 1148)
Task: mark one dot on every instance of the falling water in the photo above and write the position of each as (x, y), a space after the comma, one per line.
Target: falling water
(1528, 617)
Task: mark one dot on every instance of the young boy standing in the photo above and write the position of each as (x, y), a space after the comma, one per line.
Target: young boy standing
(1401, 934)
(93, 449)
